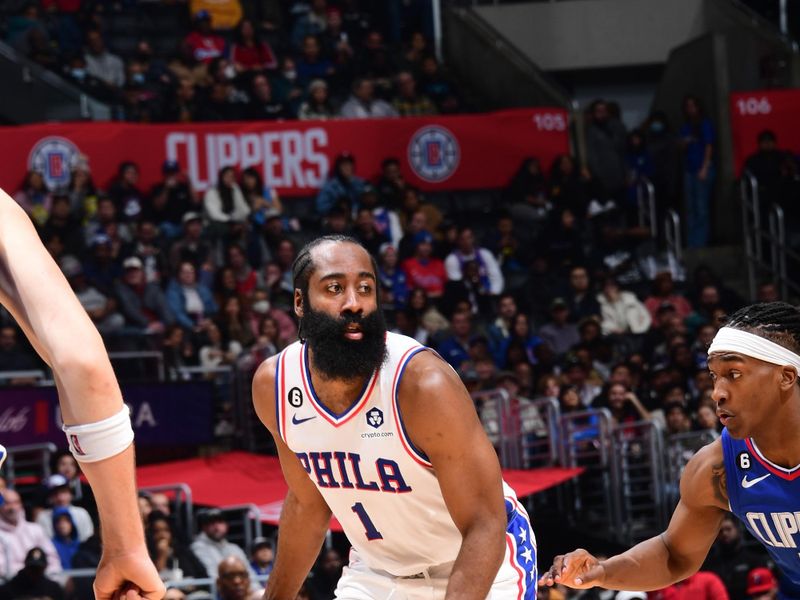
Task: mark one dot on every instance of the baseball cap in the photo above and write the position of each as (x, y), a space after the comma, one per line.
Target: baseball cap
(170, 166)
(36, 558)
(760, 580)
(261, 542)
(422, 237)
(56, 481)
(132, 262)
(558, 303)
(210, 515)
(202, 15)
(70, 266)
(191, 216)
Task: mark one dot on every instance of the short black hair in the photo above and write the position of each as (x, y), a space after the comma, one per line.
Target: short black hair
(303, 266)
(778, 322)
(767, 135)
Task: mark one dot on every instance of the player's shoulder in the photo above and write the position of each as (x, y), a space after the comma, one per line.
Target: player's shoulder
(264, 391)
(704, 481)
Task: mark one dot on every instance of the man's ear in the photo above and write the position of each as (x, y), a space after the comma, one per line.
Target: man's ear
(298, 303)
(788, 378)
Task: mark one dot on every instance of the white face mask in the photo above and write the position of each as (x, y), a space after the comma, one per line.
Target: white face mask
(229, 72)
(261, 306)
(290, 75)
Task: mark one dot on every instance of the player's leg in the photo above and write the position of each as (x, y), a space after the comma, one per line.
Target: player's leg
(359, 582)
(517, 576)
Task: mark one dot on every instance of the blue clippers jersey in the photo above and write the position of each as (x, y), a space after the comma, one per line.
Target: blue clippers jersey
(766, 497)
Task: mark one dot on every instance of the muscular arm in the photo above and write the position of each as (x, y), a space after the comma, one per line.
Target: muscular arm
(305, 516)
(441, 421)
(36, 293)
(671, 556)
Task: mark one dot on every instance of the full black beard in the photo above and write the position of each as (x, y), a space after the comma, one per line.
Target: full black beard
(337, 357)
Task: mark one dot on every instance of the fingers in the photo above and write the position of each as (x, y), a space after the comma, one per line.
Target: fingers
(577, 569)
(590, 576)
(550, 576)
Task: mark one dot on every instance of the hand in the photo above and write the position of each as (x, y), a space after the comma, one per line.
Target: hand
(578, 570)
(128, 576)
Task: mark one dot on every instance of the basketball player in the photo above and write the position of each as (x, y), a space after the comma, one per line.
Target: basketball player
(374, 428)
(36, 293)
(752, 470)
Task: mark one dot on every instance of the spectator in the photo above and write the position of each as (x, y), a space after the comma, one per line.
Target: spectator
(376, 62)
(416, 50)
(455, 349)
(65, 536)
(64, 463)
(731, 560)
(191, 247)
(318, 105)
(235, 325)
(580, 299)
(169, 200)
(392, 280)
(438, 87)
(411, 202)
(191, 302)
(63, 224)
(623, 404)
(385, 220)
(81, 190)
(703, 585)
(362, 103)
(677, 418)
(246, 278)
(664, 293)
(179, 352)
(31, 581)
(312, 23)
(173, 560)
(326, 574)
(426, 313)
(124, 192)
(225, 205)
(577, 374)
(408, 102)
(264, 201)
(621, 311)
(520, 333)
(183, 105)
(697, 137)
(13, 356)
(100, 308)
(249, 52)
(143, 304)
(263, 105)
(100, 63)
(312, 64)
(212, 547)
(18, 537)
(366, 231)
(605, 150)
(34, 197)
(391, 184)
(761, 584)
(60, 496)
(500, 329)
(285, 87)
(225, 14)
(559, 334)
(424, 270)
(466, 250)
(570, 187)
(527, 181)
(204, 45)
(766, 165)
(219, 103)
(639, 166)
(342, 186)
(263, 555)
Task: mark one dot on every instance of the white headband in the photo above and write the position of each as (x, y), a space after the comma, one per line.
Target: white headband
(729, 339)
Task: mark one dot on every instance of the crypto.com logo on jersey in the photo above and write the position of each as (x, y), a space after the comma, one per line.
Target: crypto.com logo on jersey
(286, 159)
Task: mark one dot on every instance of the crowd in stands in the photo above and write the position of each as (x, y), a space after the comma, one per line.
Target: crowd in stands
(242, 60)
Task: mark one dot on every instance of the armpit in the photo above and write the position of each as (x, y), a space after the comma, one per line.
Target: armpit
(719, 483)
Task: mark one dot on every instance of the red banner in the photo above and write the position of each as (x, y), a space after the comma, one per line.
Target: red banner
(753, 112)
(436, 153)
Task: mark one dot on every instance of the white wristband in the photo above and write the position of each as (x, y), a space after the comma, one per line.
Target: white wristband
(96, 441)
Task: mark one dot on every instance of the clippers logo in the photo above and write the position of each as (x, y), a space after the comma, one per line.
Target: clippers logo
(375, 418)
(433, 153)
(54, 157)
(73, 439)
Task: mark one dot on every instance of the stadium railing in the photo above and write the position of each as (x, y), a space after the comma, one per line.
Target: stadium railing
(183, 507)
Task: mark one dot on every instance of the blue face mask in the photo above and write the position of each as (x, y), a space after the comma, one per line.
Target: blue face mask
(656, 126)
(78, 73)
(137, 78)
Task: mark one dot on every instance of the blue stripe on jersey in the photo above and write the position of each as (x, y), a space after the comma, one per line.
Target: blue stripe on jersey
(767, 504)
(519, 528)
(411, 445)
(278, 399)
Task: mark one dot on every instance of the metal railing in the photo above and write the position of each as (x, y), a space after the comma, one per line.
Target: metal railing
(30, 459)
(14, 377)
(141, 355)
(646, 199)
(672, 235)
(208, 583)
(244, 524)
(182, 497)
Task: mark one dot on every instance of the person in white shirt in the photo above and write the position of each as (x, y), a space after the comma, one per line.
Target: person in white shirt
(466, 251)
(362, 103)
(60, 495)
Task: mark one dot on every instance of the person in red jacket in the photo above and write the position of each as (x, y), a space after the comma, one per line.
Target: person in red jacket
(703, 585)
(423, 270)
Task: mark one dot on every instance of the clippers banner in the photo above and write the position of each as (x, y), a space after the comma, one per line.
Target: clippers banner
(436, 153)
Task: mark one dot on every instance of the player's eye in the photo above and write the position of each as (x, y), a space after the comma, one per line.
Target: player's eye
(334, 288)
(365, 288)
(735, 374)
(713, 375)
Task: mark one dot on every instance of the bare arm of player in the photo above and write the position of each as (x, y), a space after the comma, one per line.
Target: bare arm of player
(33, 289)
(665, 559)
(305, 516)
(441, 421)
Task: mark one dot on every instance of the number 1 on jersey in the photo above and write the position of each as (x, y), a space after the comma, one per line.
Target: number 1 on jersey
(369, 526)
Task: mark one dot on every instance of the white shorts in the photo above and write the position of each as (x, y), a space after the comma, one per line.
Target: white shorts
(516, 579)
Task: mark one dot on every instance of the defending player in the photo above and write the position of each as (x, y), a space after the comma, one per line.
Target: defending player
(381, 432)
(96, 421)
(753, 470)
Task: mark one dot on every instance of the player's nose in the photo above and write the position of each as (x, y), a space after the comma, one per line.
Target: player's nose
(719, 394)
(352, 302)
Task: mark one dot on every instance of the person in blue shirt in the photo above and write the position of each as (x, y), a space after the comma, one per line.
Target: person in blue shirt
(342, 185)
(65, 537)
(697, 139)
(751, 470)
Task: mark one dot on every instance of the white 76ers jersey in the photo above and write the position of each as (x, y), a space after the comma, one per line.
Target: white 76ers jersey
(379, 486)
